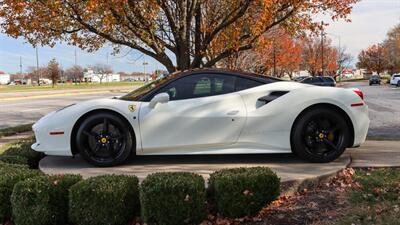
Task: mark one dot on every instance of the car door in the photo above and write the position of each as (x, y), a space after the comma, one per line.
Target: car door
(203, 113)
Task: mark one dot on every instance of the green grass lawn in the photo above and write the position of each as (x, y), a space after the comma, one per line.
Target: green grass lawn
(21, 88)
(377, 201)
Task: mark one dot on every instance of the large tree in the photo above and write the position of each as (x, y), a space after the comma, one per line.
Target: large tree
(53, 71)
(391, 50)
(101, 71)
(319, 57)
(372, 59)
(74, 73)
(277, 54)
(180, 34)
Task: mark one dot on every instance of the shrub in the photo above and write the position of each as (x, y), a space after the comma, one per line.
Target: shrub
(4, 165)
(15, 130)
(14, 159)
(42, 200)
(9, 176)
(23, 149)
(242, 192)
(105, 200)
(173, 198)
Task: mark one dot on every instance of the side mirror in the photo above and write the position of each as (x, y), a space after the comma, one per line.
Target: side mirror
(159, 98)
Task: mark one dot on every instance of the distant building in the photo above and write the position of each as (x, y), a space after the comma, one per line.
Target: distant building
(135, 77)
(91, 76)
(5, 78)
(347, 73)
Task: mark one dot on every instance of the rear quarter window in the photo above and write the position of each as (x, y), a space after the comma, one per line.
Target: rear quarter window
(244, 83)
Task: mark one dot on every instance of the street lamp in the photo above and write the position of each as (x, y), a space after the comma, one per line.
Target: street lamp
(340, 49)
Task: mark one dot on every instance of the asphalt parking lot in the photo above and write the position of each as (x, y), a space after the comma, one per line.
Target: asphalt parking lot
(384, 109)
(28, 110)
(383, 102)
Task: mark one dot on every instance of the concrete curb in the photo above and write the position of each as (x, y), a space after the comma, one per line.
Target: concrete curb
(290, 187)
(296, 175)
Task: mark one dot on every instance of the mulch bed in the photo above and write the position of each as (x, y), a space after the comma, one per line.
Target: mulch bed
(324, 204)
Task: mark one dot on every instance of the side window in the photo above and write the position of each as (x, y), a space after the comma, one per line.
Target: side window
(244, 83)
(199, 85)
(202, 87)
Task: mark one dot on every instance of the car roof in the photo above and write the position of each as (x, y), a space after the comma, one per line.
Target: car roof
(227, 72)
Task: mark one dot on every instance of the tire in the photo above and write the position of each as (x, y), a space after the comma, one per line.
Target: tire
(104, 140)
(320, 135)
(398, 83)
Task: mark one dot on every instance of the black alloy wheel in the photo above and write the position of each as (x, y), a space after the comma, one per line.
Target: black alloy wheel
(104, 140)
(320, 135)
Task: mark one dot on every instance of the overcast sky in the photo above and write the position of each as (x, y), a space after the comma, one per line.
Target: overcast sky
(371, 19)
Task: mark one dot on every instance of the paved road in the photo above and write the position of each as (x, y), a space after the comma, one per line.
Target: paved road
(384, 109)
(29, 110)
(383, 102)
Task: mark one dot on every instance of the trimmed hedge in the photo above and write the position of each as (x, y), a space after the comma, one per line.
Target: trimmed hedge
(23, 149)
(242, 192)
(9, 176)
(105, 200)
(173, 198)
(14, 159)
(13, 165)
(42, 200)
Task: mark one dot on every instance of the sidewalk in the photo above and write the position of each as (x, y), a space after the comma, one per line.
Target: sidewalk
(7, 96)
(376, 154)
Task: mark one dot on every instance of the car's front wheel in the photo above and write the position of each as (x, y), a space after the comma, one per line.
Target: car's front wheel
(320, 135)
(104, 139)
(398, 83)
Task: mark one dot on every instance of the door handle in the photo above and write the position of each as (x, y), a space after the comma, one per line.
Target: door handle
(232, 113)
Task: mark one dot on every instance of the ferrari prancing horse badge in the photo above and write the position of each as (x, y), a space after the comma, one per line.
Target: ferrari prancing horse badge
(132, 108)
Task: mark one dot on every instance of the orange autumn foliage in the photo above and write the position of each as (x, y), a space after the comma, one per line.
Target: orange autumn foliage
(179, 34)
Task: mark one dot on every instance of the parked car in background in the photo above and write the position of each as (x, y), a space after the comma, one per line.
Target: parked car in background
(375, 79)
(298, 79)
(20, 82)
(319, 81)
(395, 80)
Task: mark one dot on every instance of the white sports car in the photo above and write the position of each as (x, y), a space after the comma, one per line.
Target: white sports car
(209, 112)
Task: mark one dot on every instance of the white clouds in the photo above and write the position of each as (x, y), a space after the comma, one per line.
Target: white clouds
(371, 20)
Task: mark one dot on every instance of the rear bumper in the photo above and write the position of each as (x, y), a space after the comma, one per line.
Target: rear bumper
(360, 123)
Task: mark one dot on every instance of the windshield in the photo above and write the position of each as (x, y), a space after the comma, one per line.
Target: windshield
(140, 92)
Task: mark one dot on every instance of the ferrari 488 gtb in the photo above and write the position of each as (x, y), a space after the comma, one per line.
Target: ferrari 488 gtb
(209, 112)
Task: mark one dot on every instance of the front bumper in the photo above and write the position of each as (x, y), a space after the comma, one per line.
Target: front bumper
(52, 144)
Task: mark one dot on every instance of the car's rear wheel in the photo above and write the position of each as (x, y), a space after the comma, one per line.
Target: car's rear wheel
(398, 83)
(320, 135)
(104, 139)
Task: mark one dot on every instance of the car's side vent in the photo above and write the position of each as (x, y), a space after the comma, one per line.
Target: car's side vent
(269, 98)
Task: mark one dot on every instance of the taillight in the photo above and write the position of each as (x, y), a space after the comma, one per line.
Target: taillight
(359, 93)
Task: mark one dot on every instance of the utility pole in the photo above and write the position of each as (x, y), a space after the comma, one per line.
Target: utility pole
(37, 66)
(76, 58)
(340, 54)
(20, 66)
(107, 58)
(144, 67)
